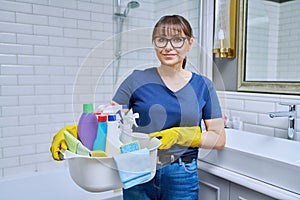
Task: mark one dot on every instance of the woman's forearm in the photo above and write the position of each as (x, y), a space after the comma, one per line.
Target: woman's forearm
(212, 140)
(214, 137)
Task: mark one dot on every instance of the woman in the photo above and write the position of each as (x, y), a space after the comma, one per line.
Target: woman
(171, 102)
(169, 97)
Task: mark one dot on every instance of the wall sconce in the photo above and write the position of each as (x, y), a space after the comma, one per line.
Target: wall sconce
(225, 28)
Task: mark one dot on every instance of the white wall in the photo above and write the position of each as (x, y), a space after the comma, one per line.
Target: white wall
(253, 108)
(46, 47)
(42, 46)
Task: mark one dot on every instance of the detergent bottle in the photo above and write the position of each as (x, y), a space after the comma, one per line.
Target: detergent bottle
(87, 126)
(113, 142)
(100, 141)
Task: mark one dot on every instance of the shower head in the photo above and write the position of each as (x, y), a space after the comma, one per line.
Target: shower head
(130, 5)
(133, 4)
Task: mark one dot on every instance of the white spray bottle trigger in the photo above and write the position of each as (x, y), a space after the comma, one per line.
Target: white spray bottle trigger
(126, 126)
(111, 109)
(130, 118)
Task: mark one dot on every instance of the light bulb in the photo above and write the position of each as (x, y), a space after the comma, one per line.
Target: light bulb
(221, 34)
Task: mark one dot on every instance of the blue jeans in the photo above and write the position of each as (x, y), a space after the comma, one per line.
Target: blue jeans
(174, 181)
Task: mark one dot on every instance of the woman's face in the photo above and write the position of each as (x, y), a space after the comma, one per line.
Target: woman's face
(172, 47)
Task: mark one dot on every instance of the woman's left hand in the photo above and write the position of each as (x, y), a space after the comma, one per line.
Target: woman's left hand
(184, 136)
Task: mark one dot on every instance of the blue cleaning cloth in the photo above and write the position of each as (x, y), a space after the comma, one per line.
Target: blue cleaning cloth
(134, 167)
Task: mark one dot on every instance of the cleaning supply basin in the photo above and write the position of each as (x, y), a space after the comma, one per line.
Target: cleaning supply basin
(99, 174)
(269, 159)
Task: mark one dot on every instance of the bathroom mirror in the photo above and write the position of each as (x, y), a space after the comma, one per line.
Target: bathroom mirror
(269, 46)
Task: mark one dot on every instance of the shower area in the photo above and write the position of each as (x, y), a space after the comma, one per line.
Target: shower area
(133, 25)
(129, 47)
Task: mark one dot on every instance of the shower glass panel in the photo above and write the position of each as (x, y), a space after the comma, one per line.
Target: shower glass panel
(129, 47)
(133, 23)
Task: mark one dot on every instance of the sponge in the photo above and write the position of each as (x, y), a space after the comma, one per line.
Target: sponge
(98, 153)
(129, 147)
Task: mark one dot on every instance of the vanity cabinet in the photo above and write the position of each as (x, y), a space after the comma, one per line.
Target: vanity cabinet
(238, 192)
(212, 187)
(215, 188)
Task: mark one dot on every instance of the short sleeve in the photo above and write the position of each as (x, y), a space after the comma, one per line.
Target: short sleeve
(212, 108)
(124, 92)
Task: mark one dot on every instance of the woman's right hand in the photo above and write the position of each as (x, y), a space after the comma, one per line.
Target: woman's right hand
(59, 141)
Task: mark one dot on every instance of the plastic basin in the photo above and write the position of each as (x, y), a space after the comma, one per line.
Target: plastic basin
(99, 174)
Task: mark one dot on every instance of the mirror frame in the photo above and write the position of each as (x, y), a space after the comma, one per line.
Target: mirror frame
(257, 86)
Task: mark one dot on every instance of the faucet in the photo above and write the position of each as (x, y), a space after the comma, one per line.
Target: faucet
(291, 114)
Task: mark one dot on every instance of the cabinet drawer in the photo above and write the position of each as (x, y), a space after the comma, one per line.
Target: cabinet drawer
(212, 187)
(238, 192)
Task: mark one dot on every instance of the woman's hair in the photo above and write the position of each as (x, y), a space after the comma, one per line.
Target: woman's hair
(173, 24)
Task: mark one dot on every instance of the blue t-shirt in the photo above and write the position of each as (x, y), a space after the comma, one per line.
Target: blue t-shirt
(160, 108)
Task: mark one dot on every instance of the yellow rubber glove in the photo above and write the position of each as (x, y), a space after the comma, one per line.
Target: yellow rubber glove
(184, 136)
(59, 141)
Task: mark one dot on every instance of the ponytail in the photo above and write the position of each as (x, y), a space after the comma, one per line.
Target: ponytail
(183, 63)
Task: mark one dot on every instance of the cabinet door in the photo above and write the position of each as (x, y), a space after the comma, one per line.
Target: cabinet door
(212, 187)
(238, 192)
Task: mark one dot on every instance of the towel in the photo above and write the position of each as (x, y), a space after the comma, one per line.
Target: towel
(134, 167)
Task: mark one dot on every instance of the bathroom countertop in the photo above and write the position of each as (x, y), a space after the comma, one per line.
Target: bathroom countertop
(269, 160)
(248, 182)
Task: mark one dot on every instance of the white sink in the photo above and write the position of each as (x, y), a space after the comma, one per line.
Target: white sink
(272, 160)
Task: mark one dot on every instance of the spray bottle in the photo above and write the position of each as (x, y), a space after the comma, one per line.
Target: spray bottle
(113, 142)
(100, 141)
(126, 127)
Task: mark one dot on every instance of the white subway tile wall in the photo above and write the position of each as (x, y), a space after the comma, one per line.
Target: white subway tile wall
(43, 46)
(253, 108)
